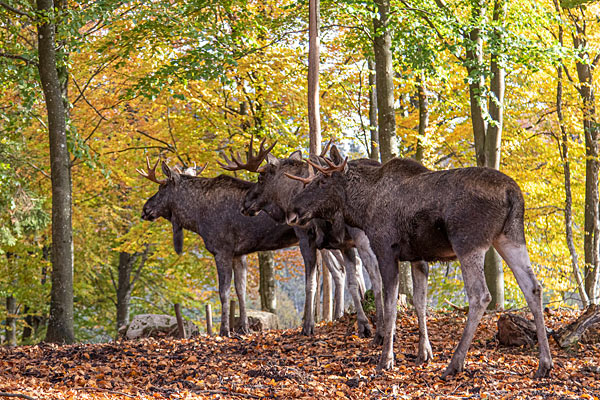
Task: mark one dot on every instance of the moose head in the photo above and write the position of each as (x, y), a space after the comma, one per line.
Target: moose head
(163, 201)
(323, 195)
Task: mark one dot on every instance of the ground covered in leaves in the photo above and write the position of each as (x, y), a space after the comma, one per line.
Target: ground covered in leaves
(283, 364)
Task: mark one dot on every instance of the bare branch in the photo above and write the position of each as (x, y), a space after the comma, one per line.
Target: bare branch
(18, 57)
(15, 10)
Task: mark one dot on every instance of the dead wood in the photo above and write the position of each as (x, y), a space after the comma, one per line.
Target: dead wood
(585, 329)
(514, 330)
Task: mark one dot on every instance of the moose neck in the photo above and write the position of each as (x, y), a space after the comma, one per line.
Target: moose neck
(197, 200)
(358, 183)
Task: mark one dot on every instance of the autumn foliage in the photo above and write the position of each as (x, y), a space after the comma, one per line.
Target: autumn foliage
(282, 364)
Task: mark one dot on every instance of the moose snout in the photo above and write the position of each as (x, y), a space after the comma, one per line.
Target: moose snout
(147, 216)
(291, 218)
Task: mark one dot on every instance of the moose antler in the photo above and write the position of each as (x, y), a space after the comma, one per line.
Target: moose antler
(305, 181)
(252, 162)
(151, 172)
(326, 148)
(332, 166)
(192, 171)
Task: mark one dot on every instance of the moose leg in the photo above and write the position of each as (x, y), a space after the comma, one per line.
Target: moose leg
(370, 261)
(309, 253)
(224, 271)
(364, 327)
(338, 277)
(479, 297)
(389, 275)
(420, 272)
(240, 272)
(516, 257)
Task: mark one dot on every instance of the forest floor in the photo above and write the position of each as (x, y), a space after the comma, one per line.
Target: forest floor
(283, 364)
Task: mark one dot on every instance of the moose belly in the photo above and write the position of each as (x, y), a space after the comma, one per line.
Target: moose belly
(424, 239)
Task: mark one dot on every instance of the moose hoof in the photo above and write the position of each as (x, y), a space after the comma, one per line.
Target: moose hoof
(425, 354)
(377, 339)
(543, 370)
(224, 332)
(244, 330)
(364, 330)
(451, 370)
(385, 363)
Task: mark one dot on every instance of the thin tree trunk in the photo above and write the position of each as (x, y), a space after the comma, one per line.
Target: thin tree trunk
(494, 274)
(126, 283)
(60, 324)
(474, 65)
(564, 155)
(423, 115)
(266, 289)
(11, 321)
(590, 128)
(384, 80)
(314, 121)
(374, 154)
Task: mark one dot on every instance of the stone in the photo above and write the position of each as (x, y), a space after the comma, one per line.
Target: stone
(155, 325)
(259, 321)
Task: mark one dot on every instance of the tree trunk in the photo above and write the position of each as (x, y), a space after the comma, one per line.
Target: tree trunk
(423, 115)
(314, 121)
(374, 154)
(591, 183)
(60, 324)
(126, 283)
(590, 128)
(564, 155)
(474, 64)
(11, 321)
(384, 80)
(268, 301)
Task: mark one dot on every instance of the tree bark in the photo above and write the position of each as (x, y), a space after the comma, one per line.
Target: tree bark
(60, 324)
(266, 289)
(590, 128)
(374, 154)
(423, 115)
(126, 283)
(314, 121)
(384, 79)
(474, 64)
(11, 321)
(564, 155)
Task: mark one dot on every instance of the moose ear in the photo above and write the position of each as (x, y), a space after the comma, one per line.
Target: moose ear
(271, 159)
(335, 156)
(297, 155)
(170, 173)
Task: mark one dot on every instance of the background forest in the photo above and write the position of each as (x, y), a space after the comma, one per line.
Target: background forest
(191, 80)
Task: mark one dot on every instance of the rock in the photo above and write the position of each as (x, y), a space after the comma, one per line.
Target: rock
(155, 325)
(260, 320)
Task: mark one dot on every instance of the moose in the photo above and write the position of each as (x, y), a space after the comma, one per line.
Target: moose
(411, 213)
(273, 193)
(210, 207)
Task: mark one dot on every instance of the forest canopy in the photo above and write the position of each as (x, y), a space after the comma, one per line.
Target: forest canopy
(191, 81)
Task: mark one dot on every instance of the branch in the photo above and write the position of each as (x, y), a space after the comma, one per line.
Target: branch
(81, 95)
(137, 148)
(169, 147)
(18, 57)
(15, 10)
(18, 395)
